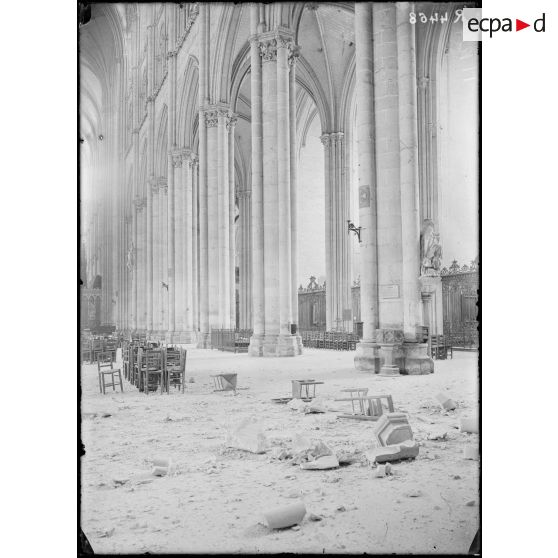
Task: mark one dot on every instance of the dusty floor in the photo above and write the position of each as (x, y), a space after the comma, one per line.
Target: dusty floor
(213, 502)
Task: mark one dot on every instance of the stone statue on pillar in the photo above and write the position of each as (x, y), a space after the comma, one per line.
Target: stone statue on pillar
(430, 250)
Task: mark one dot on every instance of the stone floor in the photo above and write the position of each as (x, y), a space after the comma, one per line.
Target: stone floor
(214, 500)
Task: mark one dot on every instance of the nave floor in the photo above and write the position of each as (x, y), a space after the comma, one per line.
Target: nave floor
(213, 502)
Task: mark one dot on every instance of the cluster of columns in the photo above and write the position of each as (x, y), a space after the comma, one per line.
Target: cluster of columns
(274, 300)
(337, 212)
(388, 191)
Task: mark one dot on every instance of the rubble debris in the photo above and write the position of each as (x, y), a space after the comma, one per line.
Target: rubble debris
(247, 435)
(308, 450)
(281, 400)
(314, 517)
(383, 470)
(191, 380)
(471, 503)
(470, 425)
(159, 471)
(286, 516)
(437, 434)
(413, 494)
(348, 457)
(446, 402)
(325, 462)
(307, 407)
(409, 449)
(393, 428)
(470, 452)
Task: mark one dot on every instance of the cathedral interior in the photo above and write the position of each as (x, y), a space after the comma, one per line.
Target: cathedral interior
(227, 150)
(294, 179)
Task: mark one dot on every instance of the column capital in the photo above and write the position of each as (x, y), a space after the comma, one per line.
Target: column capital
(176, 157)
(232, 119)
(153, 184)
(325, 139)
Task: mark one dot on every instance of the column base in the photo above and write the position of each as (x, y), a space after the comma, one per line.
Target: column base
(367, 357)
(275, 345)
(389, 370)
(416, 360)
(203, 341)
(255, 348)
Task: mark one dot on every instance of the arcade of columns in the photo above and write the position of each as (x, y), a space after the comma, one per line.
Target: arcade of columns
(171, 235)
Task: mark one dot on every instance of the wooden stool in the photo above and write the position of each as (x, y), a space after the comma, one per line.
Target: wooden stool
(299, 385)
(225, 382)
(360, 392)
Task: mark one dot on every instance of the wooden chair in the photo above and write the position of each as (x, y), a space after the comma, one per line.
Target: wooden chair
(151, 370)
(105, 367)
(86, 350)
(175, 369)
(126, 359)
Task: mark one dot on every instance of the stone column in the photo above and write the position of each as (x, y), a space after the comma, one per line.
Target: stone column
(163, 266)
(203, 189)
(211, 119)
(186, 254)
(366, 356)
(231, 122)
(294, 182)
(257, 229)
(275, 47)
(245, 268)
(409, 179)
(195, 247)
(337, 245)
(222, 222)
(179, 239)
(171, 197)
(156, 267)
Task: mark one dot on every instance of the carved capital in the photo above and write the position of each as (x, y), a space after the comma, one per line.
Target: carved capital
(176, 158)
(211, 118)
(268, 50)
(231, 120)
(294, 53)
(325, 139)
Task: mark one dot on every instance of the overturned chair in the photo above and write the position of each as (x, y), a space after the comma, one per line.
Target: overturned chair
(369, 406)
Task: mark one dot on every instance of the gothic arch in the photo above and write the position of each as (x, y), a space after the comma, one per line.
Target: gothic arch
(161, 153)
(188, 104)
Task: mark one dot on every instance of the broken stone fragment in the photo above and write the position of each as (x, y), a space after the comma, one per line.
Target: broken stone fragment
(247, 435)
(469, 424)
(446, 402)
(286, 516)
(383, 470)
(408, 449)
(393, 428)
(159, 471)
(325, 462)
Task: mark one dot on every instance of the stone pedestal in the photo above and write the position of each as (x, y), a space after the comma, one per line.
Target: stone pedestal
(256, 345)
(390, 354)
(367, 357)
(416, 359)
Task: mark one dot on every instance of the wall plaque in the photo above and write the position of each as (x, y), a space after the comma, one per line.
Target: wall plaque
(364, 196)
(389, 291)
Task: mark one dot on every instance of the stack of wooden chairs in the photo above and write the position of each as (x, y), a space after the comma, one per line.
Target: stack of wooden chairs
(334, 340)
(152, 367)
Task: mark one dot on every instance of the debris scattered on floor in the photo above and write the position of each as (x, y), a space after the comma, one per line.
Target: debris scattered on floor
(314, 517)
(325, 462)
(471, 503)
(393, 428)
(413, 493)
(383, 470)
(247, 435)
(446, 402)
(408, 449)
(286, 516)
(470, 425)
(161, 466)
(437, 434)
